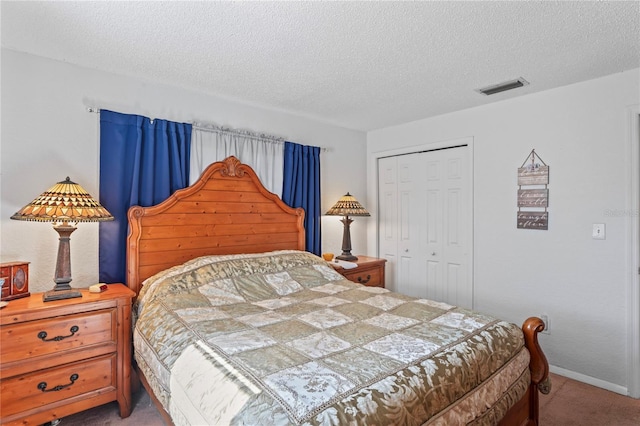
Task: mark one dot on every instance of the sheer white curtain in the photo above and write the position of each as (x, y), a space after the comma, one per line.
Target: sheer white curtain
(264, 153)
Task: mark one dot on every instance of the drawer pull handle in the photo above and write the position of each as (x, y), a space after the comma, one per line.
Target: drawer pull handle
(361, 281)
(43, 335)
(43, 385)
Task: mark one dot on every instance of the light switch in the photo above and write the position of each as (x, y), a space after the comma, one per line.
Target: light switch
(598, 231)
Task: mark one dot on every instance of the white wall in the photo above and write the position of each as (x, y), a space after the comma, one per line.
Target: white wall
(580, 283)
(47, 134)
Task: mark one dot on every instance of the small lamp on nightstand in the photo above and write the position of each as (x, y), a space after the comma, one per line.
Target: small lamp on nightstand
(65, 204)
(347, 206)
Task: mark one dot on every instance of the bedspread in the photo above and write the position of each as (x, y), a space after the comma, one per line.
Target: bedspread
(281, 338)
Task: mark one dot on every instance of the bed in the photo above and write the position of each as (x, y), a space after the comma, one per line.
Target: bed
(236, 324)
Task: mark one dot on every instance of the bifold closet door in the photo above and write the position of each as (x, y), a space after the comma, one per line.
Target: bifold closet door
(424, 227)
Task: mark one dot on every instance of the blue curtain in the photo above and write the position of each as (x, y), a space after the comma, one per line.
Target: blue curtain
(142, 162)
(301, 188)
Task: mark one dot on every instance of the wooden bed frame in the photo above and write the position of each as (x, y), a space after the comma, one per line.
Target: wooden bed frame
(228, 211)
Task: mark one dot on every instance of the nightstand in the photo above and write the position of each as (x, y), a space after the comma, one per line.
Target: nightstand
(58, 358)
(370, 271)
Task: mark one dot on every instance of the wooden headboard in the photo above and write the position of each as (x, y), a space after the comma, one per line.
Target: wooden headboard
(227, 211)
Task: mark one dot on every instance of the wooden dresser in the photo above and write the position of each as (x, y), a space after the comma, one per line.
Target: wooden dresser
(370, 271)
(58, 358)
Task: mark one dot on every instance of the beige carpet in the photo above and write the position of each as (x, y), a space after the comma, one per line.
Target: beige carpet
(569, 403)
(575, 403)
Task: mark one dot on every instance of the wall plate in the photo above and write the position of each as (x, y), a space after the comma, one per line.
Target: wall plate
(599, 232)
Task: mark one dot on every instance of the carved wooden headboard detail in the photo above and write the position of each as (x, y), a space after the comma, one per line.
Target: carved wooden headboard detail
(227, 211)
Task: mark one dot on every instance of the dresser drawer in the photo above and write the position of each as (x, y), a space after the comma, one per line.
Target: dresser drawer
(33, 339)
(49, 386)
(371, 277)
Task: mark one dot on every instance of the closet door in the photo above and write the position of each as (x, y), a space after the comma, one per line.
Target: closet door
(388, 218)
(413, 238)
(448, 223)
(425, 224)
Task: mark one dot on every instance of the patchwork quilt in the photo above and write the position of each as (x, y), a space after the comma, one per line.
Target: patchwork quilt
(280, 338)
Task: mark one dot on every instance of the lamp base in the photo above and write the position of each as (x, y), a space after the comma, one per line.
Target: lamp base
(348, 257)
(51, 295)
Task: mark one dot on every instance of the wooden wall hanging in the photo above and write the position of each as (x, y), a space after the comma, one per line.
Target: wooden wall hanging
(533, 193)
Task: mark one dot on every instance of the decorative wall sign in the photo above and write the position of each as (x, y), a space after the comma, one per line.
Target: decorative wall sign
(533, 220)
(533, 200)
(531, 175)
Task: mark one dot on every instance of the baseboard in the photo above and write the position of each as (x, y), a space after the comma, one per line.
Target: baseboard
(589, 380)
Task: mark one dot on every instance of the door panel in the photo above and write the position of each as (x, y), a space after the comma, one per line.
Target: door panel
(453, 211)
(387, 220)
(433, 290)
(412, 279)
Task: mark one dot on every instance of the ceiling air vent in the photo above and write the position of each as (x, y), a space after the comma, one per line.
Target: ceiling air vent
(501, 87)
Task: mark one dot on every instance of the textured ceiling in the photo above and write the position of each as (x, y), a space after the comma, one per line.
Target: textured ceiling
(361, 65)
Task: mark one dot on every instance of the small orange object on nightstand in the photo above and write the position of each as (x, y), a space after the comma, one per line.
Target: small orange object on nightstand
(327, 256)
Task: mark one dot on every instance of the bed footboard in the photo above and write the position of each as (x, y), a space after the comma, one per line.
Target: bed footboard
(526, 410)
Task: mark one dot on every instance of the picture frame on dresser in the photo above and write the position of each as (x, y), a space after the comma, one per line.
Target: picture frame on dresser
(14, 280)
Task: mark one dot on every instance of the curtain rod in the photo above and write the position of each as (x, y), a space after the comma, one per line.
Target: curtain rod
(215, 128)
(247, 133)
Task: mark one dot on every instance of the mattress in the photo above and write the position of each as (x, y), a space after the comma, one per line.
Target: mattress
(281, 338)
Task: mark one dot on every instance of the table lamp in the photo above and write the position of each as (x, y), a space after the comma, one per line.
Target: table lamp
(347, 206)
(65, 204)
